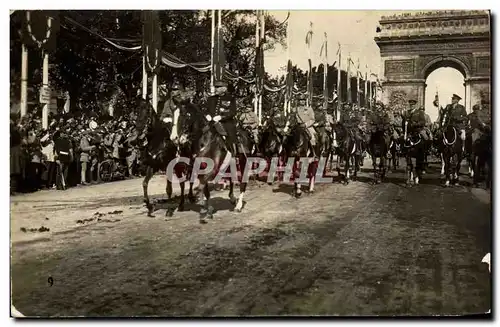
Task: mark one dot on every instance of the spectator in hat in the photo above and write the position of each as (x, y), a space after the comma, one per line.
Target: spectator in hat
(64, 156)
(85, 155)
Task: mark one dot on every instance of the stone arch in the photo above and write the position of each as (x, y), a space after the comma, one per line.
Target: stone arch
(412, 45)
(445, 61)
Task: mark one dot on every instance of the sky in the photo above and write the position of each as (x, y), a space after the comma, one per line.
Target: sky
(355, 31)
(446, 81)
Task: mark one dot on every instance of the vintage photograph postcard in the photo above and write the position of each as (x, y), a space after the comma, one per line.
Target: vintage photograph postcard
(235, 163)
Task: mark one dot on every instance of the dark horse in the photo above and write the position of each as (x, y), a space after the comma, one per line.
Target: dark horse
(480, 147)
(347, 151)
(296, 146)
(212, 146)
(190, 124)
(395, 153)
(379, 148)
(414, 152)
(159, 151)
(270, 144)
(452, 149)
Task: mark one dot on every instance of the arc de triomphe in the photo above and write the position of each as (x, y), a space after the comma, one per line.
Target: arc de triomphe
(415, 44)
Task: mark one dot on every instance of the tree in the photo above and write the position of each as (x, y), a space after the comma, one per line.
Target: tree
(90, 68)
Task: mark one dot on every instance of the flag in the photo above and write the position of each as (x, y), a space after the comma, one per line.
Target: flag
(436, 100)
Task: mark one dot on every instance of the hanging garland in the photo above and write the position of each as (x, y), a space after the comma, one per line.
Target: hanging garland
(40, 28)
(151, 40)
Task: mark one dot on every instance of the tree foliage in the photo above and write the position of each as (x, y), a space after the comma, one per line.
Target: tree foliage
(90, 68)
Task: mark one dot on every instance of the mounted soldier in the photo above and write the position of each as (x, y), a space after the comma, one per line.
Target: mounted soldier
(428, 125)
(415, 120)
(249, 120)
(221, 108)
(306, 118)
(455, 115)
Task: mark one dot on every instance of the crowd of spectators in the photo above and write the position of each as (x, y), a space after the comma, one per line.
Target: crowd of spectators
(72, 151)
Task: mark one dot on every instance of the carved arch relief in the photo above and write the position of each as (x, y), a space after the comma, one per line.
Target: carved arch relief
(429, 64)
(398, 100)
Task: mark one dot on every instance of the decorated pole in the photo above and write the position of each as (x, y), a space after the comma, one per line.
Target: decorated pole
(325, 75)
(349, 94)
(39, 31)
(24, 80)
(144, 77)
(309, 73)
(366, 87)
(212, 72)
(369, 90)
(262, 28)
(45, 82)
(257, 44)
(358, 90)
(155, 92)
(288, 89)
(152, 51)
(339, 83)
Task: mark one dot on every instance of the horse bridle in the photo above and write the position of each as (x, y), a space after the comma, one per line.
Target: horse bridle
(446, 142)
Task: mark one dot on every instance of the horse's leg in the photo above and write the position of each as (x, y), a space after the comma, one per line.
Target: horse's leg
(456, 168)
(206, 211)
(409, 170)
(346, 169)
(442, 164)
(296, 174)
(381, 168)
(145, 183)
(168, 189)
(241, 201)
(447, 169)
(339, 160)
(374, 167)
(312, 177)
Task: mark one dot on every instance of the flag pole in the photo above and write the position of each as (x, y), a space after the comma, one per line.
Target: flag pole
(366, 87)
(339, 89)
(287, 94)
(325, 75)
(309, 74)
(24, 80)
(257, 43)
(349, 94)
(358, 99)
(261, 41)
(212, 72)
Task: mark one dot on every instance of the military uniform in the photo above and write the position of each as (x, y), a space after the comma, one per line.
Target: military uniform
(225, 107)
(415, 119)
(456, 116)
(324, 119)
(307, 119)
(250, 121)
(397, 127)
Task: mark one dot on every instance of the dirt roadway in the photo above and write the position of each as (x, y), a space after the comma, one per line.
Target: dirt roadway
(360, 249)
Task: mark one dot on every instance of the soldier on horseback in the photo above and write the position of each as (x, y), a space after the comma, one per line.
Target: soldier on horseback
(456, 114)
(415, 119)
(306, 118)
(249, 120)
(222, 110)
(428, 126)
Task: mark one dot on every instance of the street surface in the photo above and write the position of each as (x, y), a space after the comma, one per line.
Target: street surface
(359, 249)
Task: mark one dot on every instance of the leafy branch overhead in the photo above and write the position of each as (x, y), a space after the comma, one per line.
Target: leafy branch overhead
(86, 65)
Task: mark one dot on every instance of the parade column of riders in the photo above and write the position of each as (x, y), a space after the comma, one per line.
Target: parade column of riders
(231, 116)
